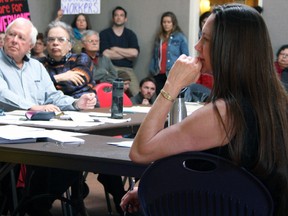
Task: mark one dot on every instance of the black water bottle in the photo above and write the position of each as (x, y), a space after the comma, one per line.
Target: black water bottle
(117, 99)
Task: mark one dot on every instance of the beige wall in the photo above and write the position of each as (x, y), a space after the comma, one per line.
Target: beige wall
(143, 19)
(144, 16)
(275, 15)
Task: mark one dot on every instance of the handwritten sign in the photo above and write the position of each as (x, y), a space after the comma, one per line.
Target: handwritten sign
(80, 6)
(12, 9)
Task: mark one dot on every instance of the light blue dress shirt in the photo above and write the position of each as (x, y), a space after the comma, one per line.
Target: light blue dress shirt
(29, 85)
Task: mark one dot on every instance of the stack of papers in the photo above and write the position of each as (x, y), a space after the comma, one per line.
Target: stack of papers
(69, 119)
(19, 134)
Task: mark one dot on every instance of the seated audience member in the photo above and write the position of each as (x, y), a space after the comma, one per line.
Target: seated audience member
(196, 93)
(104, 70)
(79, 24)
(240, 122)
(70, 72)
(2, 35)
(25, 84)
(127, 80)
(38, 51)
(281, 64)
(147, 93)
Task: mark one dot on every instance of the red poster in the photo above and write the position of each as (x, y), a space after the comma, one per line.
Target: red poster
(12, 9)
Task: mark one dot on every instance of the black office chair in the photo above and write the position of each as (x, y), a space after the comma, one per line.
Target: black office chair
(196, 183)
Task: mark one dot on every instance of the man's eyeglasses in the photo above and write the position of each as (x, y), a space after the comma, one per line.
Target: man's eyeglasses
(284, 55)
(12, 35)
(91, 41)
(59, 39)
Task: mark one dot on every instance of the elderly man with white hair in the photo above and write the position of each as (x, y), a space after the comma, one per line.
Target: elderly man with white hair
(25, 84)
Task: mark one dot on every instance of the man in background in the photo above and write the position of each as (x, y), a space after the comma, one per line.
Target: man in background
(104, 70)
(146, 95)
(120, 44)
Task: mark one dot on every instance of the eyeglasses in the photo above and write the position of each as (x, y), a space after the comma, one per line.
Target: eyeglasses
(91, 41)
(12, 35)
(59, 39)
(284, 55)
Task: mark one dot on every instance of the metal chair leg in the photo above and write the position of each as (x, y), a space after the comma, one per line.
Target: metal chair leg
(108, 202)
(14, 191)
(66, 208)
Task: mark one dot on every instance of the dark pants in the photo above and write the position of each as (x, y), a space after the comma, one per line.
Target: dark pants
(113, 185)
(52, 181)
(160, 81)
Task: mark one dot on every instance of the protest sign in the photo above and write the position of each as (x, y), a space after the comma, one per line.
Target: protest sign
(80, 6)
(12, 9)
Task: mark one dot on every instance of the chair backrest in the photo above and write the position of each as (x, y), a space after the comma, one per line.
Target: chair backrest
(197, 183)
(104, 94)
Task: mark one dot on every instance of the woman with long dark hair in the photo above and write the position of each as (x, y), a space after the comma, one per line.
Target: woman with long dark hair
(246, 116)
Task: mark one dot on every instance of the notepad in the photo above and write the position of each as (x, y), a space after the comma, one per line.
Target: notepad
(11, 134)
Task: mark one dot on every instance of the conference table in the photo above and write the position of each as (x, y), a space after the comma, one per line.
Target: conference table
(95, 155)
(132, 124)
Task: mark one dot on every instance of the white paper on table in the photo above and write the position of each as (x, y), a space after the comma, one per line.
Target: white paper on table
(68, 140)
(68, 133)
(136, 109)
(63, 123)
(79, 116)
(16, 112)
(21, 133)
(111, 120)
(126, 144)
(14, 132)
(99, 114)
(12, 119)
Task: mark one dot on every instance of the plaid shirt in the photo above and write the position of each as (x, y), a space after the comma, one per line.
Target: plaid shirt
(75, 62)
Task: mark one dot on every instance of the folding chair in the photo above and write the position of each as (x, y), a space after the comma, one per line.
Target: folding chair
(104, 94)
(196, 183)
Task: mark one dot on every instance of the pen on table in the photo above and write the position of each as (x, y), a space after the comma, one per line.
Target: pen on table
(59, 113)
(131, 187)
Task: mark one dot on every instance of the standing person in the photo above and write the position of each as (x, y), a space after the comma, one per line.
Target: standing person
(25, 84)
(239, 122)
(202, 20)
(79, 24)
(146, 95)
(170, 43)
(70, 72)
(281, 64)
(120, 44)
(38, 51)
(103, 70)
